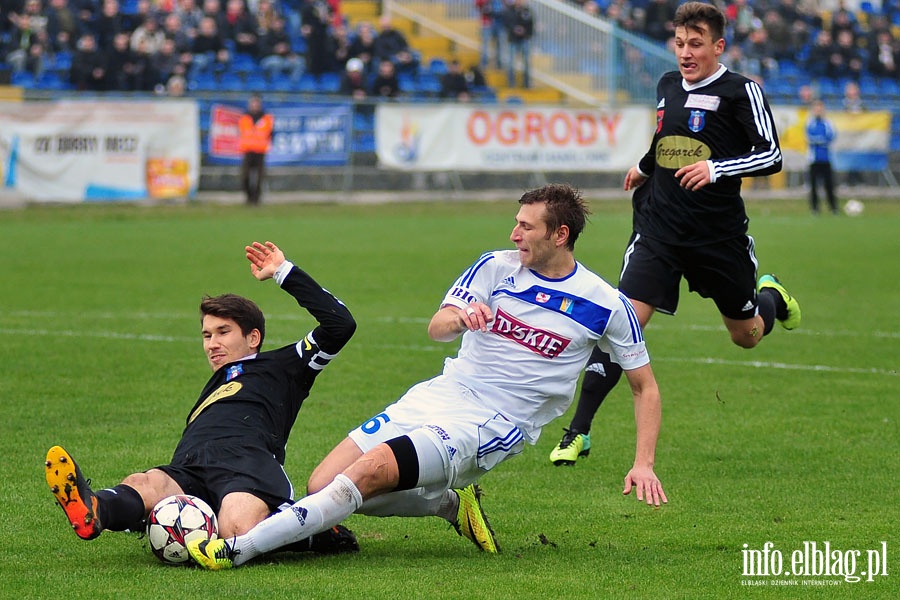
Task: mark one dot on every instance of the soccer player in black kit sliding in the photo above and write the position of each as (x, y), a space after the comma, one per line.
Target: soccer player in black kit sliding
(713, 127)
(232, 450)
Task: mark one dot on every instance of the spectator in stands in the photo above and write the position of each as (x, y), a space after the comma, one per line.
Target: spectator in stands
(88, 71)
(391, 45)
(254, 140)
(176, 86)
(242, 28)
(620, 14)
(386, 84)
(145, 77)
(148, 37)
(520, 29)
(190, 15)
(846, 59)
(121, 65)
(819, 59)
(658, 19)
(806, 95)
(166, 63)
(107, 25)
(362, 46)
(265, 15)
(454, 85)
(741, 20)
(820, 133)
(843, 19)
(29, 43)
(173, 29)
(779, 34)
(759, 55)
(62, 26)
(493, 31)
(277, 59)
(213, 9)
(353, 80)
(316, 18)
(884, 57)
(209, 54)
(340, 41)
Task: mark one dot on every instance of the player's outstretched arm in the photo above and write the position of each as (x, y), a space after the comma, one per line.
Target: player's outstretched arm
(647, 418)
(264, 259)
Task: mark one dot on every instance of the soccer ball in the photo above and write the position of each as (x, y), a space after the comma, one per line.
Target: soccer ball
(853, 208)
(174, 522)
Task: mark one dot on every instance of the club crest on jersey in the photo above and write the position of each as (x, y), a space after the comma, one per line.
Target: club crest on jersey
(542, 297)
(697, 120)
(234, 371)
(659, 119)
(540, 341)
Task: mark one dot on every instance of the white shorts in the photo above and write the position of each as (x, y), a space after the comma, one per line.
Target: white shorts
(473, 439)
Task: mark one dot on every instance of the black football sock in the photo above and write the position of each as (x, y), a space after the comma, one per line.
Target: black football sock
(120, 508)
(767, 308)
(600, 377)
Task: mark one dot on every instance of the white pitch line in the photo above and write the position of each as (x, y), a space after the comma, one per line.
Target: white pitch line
(752, 364)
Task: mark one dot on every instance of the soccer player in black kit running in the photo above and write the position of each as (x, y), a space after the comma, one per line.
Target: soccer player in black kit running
(232, 450)
(713, 127)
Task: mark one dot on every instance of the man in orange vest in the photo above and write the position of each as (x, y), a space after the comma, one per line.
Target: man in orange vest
(255, 137)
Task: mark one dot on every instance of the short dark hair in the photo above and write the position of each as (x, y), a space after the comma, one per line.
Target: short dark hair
(693, 15)
(242, 311)
(565, 206)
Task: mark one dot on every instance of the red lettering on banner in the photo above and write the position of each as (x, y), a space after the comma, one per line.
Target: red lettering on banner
(507, 132)
(540, 341)
(536, 128)
(611, 124)
(479, 127)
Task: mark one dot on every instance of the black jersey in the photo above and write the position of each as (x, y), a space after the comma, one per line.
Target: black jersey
(255, 401)
(725, 120)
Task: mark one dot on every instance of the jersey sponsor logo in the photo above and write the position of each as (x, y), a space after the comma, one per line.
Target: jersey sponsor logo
(223, 391)
(748, 306)
(697, 120)
(540, 341)
(566, 305)
(463, 294)
(676, 151)
(542, 297)
(234, 371)
(439, 431)
(451, 451)
(704, 101)
(662, 103)
(510, 281)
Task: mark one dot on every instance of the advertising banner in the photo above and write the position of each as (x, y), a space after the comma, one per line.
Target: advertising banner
(463, 137)
(862, 142)
(72, 151)
(304, 134)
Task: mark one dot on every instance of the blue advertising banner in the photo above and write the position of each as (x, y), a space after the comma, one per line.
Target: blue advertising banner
(304, 134)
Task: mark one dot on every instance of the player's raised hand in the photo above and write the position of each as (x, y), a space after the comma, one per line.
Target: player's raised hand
(264, 259)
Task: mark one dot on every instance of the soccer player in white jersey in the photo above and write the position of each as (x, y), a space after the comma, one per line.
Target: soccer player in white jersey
(529, 319)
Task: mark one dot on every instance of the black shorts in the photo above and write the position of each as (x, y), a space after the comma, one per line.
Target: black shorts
(217, 469)
(725, 272)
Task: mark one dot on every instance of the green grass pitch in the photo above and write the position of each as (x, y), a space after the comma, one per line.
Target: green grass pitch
(793, 442)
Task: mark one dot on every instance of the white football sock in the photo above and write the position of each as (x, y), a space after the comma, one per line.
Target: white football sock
(411, 503)
(306, 517)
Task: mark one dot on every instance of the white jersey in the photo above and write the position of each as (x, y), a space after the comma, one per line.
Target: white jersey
(527, 364)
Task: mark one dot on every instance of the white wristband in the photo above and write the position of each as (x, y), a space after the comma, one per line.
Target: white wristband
(282, 271)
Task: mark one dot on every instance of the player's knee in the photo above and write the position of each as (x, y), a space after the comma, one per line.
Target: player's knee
(746, 338)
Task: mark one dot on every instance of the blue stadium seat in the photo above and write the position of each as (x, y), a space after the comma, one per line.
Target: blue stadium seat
(231, 82)
(243, 63)
(330, 83)
(257, 82)
(437, 66)
(23, 79)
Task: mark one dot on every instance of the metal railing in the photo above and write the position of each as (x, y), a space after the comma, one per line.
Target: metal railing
(587, 58)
